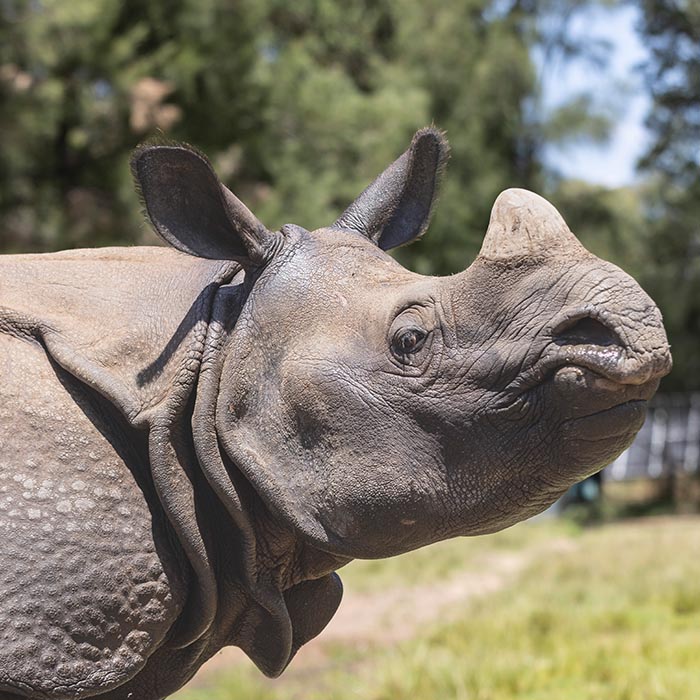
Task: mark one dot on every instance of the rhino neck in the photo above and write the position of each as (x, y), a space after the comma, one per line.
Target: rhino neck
(275, 591)
(285, 558)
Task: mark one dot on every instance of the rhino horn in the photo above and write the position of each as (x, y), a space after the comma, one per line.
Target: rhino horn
(525, 225)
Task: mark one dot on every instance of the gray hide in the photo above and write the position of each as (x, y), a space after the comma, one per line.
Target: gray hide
(193, 441)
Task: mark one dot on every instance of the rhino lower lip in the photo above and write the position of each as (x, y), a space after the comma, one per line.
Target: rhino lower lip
(614, 422)
(601, 377)
(584, 377)
(633, 405)
(598, 405)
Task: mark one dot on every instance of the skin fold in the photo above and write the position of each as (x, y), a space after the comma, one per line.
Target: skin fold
(193, 441)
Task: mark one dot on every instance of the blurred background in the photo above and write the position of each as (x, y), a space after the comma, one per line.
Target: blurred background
(594, 104)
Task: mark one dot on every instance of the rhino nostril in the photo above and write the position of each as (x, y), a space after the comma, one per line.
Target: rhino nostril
(586, 331)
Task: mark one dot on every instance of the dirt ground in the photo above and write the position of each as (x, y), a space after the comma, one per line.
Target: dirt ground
(388, 616)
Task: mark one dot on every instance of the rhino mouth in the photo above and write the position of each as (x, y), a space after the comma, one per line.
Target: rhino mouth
(600, 373)
(601, 367)
(595, 340)
(596, 396)
(589, 381)
(588, 393)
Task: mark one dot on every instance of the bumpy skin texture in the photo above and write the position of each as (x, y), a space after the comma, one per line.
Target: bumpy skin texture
(191, 444)
(81, 567)
(90, 584)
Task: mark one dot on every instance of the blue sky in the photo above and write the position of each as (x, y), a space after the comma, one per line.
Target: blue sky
(613, 163)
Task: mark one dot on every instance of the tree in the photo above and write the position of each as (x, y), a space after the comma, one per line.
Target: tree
(82, 82)
(671, 29)
(298, 104)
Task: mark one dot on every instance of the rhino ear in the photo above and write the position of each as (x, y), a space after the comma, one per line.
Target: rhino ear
(192, 211)
(395, 209)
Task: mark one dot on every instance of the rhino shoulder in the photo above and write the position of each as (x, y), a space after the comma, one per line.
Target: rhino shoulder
(89, 588)
(127, 321)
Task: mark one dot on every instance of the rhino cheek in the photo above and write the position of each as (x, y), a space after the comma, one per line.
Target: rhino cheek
(329, 458)
(380, 481)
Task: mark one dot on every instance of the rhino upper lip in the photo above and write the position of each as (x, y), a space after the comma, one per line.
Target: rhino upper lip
(611, 363)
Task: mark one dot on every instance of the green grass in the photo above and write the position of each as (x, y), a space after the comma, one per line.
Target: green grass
(616, 616)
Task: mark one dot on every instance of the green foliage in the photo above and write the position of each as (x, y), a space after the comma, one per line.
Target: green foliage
(81, 83)
(609, 222)
(671, 29)
(579, 118)
(298, 104)
(611, 613)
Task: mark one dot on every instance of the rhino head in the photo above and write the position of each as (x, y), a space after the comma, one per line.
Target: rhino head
(376, 410)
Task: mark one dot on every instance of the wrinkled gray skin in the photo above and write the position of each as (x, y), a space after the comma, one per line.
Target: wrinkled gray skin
(190, 445)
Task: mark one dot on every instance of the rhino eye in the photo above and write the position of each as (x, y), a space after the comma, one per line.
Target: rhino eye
(408, 341)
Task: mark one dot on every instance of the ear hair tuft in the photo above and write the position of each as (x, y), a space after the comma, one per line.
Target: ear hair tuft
(396, 207)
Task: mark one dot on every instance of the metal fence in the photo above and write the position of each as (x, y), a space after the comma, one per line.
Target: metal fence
(668, 442)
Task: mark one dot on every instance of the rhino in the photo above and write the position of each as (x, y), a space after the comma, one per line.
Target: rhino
(194, 439)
